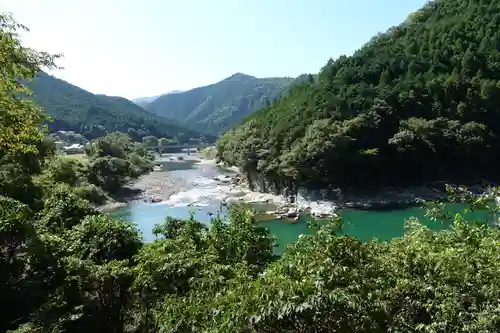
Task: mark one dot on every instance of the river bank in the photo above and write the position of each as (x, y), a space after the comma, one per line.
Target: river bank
(227, 185)
(324, 203)
(191, 180)
(200, 187)
(156, 186)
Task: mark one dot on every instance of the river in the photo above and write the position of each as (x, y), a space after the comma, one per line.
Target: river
(201, 193)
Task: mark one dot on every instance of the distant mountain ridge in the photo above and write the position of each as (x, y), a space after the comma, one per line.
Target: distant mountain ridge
(73, 108)
(217, 107)
(143, 101)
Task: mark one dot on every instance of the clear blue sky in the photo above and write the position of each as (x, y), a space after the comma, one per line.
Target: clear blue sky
(135, 48)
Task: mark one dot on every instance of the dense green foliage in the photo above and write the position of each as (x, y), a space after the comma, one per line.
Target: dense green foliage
(415, 104)
(216, 108)
(70, 269)
(426, 282)
(78, 110)
(21, 116)
(99, 277)
(67, 268)
(109, 164)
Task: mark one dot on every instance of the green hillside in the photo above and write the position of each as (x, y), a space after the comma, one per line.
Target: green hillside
(73, 108)
(416, 104)
(216, 108)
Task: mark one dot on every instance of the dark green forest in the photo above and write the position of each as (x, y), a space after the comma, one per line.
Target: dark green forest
(93, 116)
(65, 267)
(416, 104)
(216, 108)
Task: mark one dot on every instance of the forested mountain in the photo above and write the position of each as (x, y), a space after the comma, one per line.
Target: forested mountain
(418, 103)
(217, 107)
(73, 108)
(143, 101)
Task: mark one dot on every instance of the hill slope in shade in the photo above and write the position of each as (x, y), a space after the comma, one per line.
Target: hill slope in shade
(143, 101)
(416, 104)
(73, 108)
(217, 107)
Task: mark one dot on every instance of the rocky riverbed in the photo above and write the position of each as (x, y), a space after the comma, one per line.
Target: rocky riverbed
(229, 186)
(155, 186)
(325, 203)
(158, 186)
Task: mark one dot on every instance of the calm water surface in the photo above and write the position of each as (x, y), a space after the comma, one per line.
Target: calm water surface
(203, 196)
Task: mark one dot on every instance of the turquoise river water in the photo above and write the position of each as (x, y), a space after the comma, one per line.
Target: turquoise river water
(202, 195)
